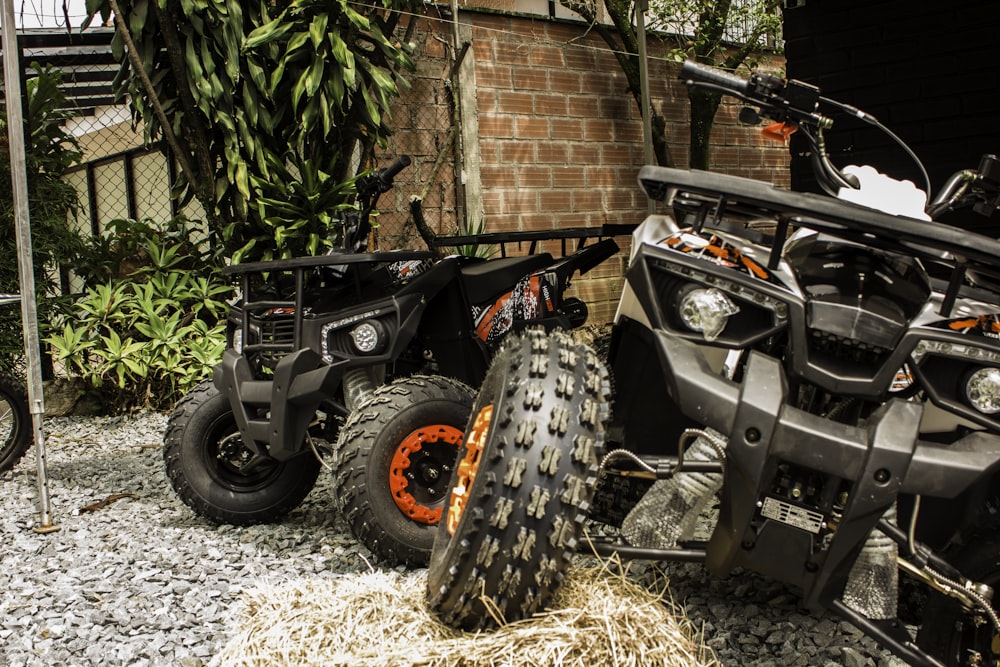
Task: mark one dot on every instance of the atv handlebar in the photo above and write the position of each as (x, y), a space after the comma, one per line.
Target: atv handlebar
(399, 164)
(778, 99)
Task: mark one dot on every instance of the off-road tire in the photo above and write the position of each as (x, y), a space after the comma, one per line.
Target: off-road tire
(528, 472)
(407, 431)
(15, 421)
(948, 632)
(216, 490)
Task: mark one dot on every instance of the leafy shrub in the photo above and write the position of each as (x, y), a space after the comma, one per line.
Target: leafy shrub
(49, 152)
(142, 337)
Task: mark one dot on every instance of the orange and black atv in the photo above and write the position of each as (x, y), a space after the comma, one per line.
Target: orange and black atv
(370, 358)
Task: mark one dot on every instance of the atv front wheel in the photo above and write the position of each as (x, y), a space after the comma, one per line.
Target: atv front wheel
(526, 474)
(393, 462)
(217, 476)
(15, 421)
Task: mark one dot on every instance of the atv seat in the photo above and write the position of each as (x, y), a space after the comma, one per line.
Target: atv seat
(487, 280)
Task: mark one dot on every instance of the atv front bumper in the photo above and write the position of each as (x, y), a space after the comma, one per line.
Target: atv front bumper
(863, 469)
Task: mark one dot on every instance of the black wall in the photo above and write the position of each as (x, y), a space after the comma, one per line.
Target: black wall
(930, 71)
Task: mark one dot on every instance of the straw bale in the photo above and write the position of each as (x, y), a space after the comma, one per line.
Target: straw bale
(380, 619)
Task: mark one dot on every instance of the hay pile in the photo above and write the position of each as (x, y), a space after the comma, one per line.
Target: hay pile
(380, 619)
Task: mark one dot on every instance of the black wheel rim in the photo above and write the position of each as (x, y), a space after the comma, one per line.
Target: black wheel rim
(230, 463)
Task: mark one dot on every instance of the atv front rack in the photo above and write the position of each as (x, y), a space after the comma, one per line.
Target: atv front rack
(710, 199)
(299, 267)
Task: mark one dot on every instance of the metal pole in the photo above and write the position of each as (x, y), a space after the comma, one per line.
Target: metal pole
(647, 119)
(29, 316)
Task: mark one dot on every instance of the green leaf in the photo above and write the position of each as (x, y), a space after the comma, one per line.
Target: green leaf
(317, 29)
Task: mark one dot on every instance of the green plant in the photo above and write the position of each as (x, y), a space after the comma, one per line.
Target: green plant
(252, 95)
(146, 338)
(49, 151)
(471, 229)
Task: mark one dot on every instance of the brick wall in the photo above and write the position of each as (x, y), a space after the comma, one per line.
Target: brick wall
(560, 134)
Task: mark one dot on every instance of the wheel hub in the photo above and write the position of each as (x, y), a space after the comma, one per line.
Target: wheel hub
(468, 466)
(233, 453)
(420, 469)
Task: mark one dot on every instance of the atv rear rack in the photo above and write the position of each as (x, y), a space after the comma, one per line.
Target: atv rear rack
(501, 239)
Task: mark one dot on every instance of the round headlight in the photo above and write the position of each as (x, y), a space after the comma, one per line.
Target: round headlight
(706, 310)
(368, 337)
(982, 389)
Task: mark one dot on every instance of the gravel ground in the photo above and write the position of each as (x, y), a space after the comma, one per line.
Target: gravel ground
(134, 578)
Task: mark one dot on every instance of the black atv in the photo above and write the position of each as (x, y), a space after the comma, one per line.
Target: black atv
(381, 348)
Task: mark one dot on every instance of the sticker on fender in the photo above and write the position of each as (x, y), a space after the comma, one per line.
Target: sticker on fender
(792, 515)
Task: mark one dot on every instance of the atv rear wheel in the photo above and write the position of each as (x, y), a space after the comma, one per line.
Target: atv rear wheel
(393, 462)
(15, 421)
(954, 635)
(520, 493)
(217, 476)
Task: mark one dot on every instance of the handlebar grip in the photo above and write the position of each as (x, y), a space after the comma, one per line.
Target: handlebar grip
(698, 72)
(396, 166)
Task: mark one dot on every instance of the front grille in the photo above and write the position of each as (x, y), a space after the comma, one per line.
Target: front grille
(277, 331)
(846, 356)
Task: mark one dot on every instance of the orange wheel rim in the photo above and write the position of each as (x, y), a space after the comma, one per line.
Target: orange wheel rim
(414, 465)
(468, 467)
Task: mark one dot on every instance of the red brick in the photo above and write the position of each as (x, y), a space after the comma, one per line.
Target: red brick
(579, 57)
(547, 104)
(564, 81)
(621, 198)
(491, 202)
(526, 78)
(628, 130)
(496, 126)
(597, 129)
(531, 128)
(493, 76)
(569, 129)
(583, 106)
(601, 177)
(512, 53)
(488, 150)
(584, 154)
(534, 177)
(482, 50)
(621, 154)
(536, 221)
(515, 103)
(570, 220)
(547, 56)
(552, 153)
(494, 176)
(519, 201)
(517, 152)
(569, 177)
(486, 100)
(554, 201)
(588, 200)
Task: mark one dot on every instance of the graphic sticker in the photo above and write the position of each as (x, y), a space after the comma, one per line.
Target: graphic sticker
(718, 251)
(530, 299)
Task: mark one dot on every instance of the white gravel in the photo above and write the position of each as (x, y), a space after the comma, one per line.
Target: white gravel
(137, 579)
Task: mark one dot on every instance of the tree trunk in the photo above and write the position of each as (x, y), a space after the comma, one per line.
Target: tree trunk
(703, 108)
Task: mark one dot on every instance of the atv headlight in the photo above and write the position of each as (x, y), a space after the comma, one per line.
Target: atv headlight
(982, 390)
(368, 337)
(238, 339)
(706, 310)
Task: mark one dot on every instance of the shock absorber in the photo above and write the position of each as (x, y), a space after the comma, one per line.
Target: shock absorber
(359, 383)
